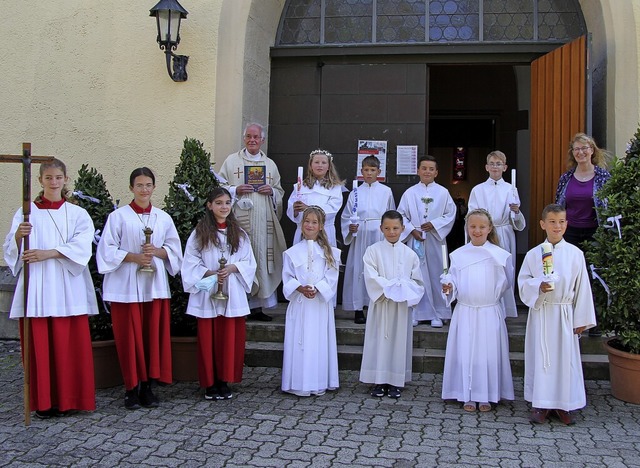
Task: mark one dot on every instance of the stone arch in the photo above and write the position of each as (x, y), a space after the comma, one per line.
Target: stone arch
(248, 29)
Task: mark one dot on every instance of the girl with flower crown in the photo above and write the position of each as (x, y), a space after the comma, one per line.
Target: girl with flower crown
(321, 187)
(310, 282)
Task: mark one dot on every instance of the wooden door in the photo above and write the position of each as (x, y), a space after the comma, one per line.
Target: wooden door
(558, 112)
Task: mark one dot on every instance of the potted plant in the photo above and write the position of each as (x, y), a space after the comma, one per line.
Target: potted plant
(614, 254)
(185, 203)
(91, 194)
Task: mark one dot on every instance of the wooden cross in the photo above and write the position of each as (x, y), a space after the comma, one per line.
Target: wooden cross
(26, 159)
(238, 173)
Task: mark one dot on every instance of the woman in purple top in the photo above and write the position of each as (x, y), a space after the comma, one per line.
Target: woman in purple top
(577, 191)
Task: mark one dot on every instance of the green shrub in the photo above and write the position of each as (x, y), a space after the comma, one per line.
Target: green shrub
(615, 258)
(194, 169)
(91, 194)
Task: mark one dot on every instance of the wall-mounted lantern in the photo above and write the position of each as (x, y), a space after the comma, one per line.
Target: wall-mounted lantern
(168, 15)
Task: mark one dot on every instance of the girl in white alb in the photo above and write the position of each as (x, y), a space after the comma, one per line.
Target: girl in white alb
(219, 291)
(310, 282)
(322, 187)
(136, 283)
(60, 295)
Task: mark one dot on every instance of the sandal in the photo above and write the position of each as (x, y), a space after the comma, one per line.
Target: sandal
(484, 407)
(469, 406)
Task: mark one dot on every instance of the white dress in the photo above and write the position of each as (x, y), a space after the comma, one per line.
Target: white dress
(59, 287)
(123, 234)
(441, 212)
(330, 200)
(553, 376)
(477, 366)
(390, 270)
(310, 363)
(495, 196)
(373, 201)
(196, 263)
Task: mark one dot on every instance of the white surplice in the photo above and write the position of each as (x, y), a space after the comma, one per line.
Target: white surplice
(330, 200)
(373, 201)
(196, 263)
(310, 362)
(495, 196)
(58, 287)
(390, 270)
(476, 366)
(441, 213)
(261, 221)
(553, 376)
(123, 233)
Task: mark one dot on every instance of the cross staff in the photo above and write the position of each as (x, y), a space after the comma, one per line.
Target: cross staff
(26, 159)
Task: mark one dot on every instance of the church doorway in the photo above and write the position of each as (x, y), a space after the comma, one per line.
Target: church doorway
(464, 81)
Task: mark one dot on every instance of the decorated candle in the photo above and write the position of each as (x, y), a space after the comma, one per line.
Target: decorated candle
(547, 260)
(354, 219)
(513, 178)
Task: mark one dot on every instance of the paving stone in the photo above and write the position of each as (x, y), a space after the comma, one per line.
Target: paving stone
(262, 426)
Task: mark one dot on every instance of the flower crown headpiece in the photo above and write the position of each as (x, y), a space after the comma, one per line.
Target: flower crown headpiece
(316, 208)
(321, 151)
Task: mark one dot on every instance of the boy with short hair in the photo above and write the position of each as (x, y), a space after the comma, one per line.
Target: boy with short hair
(560, 309)
(394, 283)
(501, 200)
(429, 213)
(361, 228)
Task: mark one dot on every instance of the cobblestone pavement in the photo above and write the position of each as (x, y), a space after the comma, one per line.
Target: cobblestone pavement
(261, 426)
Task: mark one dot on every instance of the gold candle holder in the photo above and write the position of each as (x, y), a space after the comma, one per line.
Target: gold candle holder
(219, 294)
(147, 240)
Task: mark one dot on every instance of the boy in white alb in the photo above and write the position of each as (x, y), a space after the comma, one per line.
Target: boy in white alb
(502, 202)
(394, 283)
(361, 228)
(429, 213)
(559, 311)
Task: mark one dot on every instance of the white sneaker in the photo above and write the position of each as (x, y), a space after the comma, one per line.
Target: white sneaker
(436, 323)
(414, 323)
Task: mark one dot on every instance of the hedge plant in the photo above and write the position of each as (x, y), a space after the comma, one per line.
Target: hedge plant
(91, 194)
(616, 255)
(185, 203)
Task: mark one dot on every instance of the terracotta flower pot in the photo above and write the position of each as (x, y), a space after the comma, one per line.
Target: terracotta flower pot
(105, 364)
(184, 358)
(624, 369)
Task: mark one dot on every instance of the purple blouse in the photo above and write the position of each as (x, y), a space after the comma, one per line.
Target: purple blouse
(579, 202)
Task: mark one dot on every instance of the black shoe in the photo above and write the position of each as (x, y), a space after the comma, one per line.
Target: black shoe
(223, 391)
(47, 414)
(211, 393)
(131, 400)
(359, 318)
(595, 332)
(257, 314)
(393, 392)
(146, 396)
(378, 391)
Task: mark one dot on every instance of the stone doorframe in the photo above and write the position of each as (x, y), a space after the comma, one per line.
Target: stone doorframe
(248, 28)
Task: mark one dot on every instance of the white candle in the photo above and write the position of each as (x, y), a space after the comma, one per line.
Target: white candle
(513, 178)
(445, 266)
(355, 184)
(300, 176)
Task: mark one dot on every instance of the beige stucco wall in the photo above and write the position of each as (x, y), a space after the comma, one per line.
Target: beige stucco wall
(89, 84)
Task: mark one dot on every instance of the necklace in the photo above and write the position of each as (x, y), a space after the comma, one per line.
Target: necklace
(66, 221)
(583, 178)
